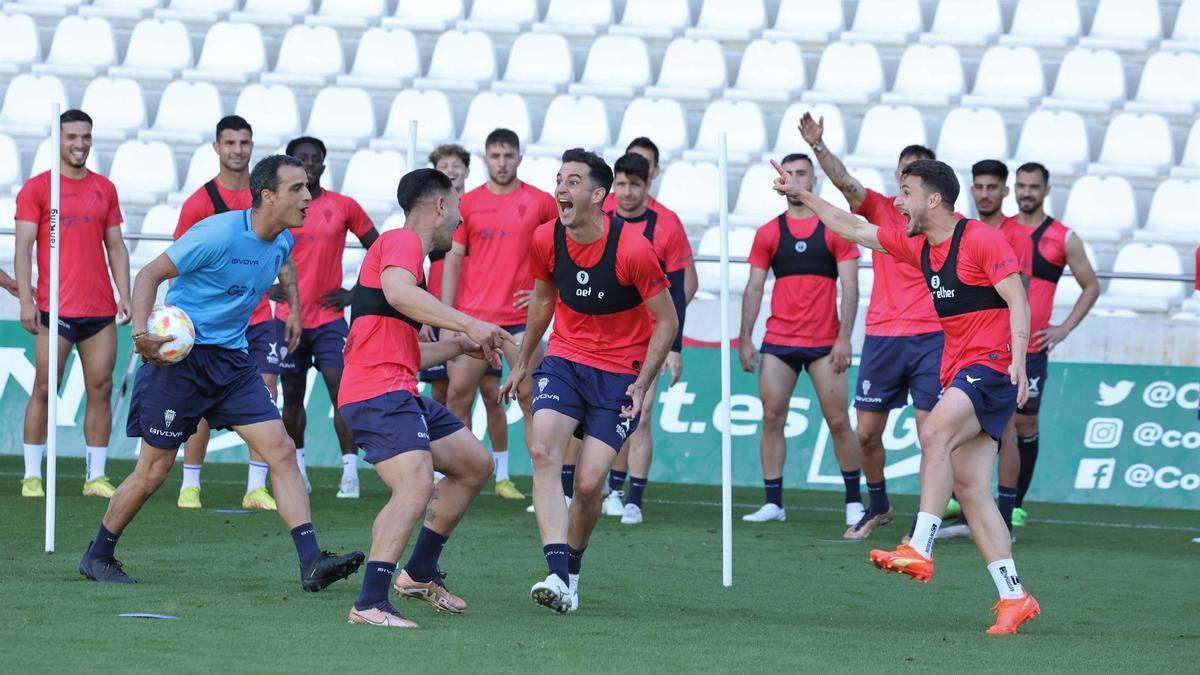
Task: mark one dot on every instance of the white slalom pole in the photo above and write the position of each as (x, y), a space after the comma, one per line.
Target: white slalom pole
(726, 439)
(412, 145)
(52, 360)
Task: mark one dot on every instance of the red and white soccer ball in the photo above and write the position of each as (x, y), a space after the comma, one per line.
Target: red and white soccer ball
(171, 321)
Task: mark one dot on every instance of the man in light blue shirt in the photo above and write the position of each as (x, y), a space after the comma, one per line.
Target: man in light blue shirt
(221, 268)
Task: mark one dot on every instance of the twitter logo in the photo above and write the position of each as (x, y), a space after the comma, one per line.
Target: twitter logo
(1112, 394)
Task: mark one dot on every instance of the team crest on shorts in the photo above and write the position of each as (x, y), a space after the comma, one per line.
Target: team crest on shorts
(866, 387)
(168, 417)
(542, 384)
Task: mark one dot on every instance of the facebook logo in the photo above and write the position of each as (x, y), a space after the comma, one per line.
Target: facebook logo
(1095, 474)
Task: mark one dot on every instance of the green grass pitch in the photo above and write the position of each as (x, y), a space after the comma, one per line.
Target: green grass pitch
(1118, 590)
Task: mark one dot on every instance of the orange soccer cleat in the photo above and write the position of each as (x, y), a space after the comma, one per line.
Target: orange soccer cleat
(1011, 614)
(904, 560)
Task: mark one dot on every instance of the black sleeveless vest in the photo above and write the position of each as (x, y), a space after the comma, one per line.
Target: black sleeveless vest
(592, 290)
(214, 196)
(803, 256)
(951, 296)
(367, 301)
(1042, 268)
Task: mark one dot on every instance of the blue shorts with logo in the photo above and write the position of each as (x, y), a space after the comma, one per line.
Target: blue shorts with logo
(893, 367)
(992, 393)
(321, 346)
(397, 422)
(76, 330)
(266, 344)
(797, 358)
(592, 396)
(1036, 367)
(220, 385)
(439, 373)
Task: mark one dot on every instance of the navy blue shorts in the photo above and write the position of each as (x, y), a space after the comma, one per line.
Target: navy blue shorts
(397, 422)
(893, 367)
(76, 330)
(515, 329)
(592, 396)
(266, 344)
(321, 346)
(1036, 370)
(221, 385)
(992, 393)
(797, 358)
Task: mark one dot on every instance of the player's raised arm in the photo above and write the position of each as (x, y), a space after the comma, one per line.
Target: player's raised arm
(812, 131)
(843, 223)
(403, 294)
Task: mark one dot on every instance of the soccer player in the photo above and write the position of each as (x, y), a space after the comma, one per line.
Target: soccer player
(320, 244)
(404, 435)
(218, 380)
(1055, 247)
(228, 191)
(804, 332)
(90, 219)
(593, 276)
(631, 187)
(903, 347)
(973, 278)
(499, 218)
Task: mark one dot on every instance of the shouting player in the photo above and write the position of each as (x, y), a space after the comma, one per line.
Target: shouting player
(973, 278)
(218, 380)
(803, 333)
(593, 276)
(90, 220)
(320, 244)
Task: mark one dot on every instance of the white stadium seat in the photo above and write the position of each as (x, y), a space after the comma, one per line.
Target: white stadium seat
(461, 61)
(1125, 24)
(661, 118)
(1057, 139)
(1101, 208)
(1187, 27)
(117, 108)
(27, 104)
(885, 131)
(1189, 165)
(272, 12)
(232, 52)
(489, 111)
(848, 73)
(691, 189)
(1140, 294)
(157, 50)
(965, 22)
(538, 63)
(928, 75)
(653, 18)
(885, 21)
(10, 166)
(387, 58)
(309, 57)
(1008, 77)
(811, 21)
(197, 12)
(8, 243)
(573, 121)
(1089, 81)
(1170, 85)
(1044, 23)
(81, 47)
(271, 110)
(143, 172)
(500, 16)
(21, 45)
(342, 117)
(348, 13)
(771, 70)
(203, 165)
(789, 140)
(691, 69)
(120, 10)
(425, 16)
(741, 239)
(540, 172)
(431, 110)
(1172, 218)
(187, 113)
(372, 177)
(746, 134)
(730, 20)
(572, 17)
(160, 219)
(756, 201)
(1149, 156)
(601, 79)
(41, 159)
(971, 134)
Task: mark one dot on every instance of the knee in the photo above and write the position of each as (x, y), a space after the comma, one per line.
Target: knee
(971, 493)
(773, 419)
(839, 426)
(101, 390)
(542, 454)
(933, 442)
(479, 466)
(1027, 426)
(588, 487)
(869, 441)
(153, 475)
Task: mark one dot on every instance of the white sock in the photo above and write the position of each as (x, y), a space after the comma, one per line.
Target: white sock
(501, 459)
(256, 477)
(33, 460)
(924, 532)
(300, 462)
(97, 456)
(191, 475)
(350, 467)
(1004, 575)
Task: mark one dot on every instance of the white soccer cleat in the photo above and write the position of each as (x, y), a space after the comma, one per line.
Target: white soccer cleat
(573, 584)
(612, 504)
(955, 530)
(632, 515)
(766, 512)
(529, 509)
(854, 513)
(552, 593)
(348, 489)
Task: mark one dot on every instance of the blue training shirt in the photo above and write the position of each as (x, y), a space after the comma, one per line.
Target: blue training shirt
(224, 268)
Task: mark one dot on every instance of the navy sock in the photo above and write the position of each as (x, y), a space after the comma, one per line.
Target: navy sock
(636, 487)
(616, 480)
(377, 575)
(422, 564)
(1028, 449)
(305, 538)
(877, 492)
(574, 559)
(568, 479)
(852, 480)
(774, 488)
(557, 559)
(104, 544)
(1008, 500)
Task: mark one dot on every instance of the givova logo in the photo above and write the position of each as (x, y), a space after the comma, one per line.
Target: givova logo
(1095, 474)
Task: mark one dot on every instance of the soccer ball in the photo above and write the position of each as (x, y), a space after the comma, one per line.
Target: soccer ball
(171, 321)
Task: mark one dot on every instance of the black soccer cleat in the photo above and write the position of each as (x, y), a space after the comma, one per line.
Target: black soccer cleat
(328, 568)
(107, 570)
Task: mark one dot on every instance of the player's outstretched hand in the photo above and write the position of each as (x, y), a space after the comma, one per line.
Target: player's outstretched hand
(470, 348)
(291, 331)
(523, 297)
(30, 318)
(674, 365)
(426, 334)
(490, 339)
(811, 130)
(509, 391)
(1017, 375)
(123, 314)
(1050, 336)
(840, 356)
(748, 356)
(147, 346)
(337, 299)
(636, 393)
(785, 185)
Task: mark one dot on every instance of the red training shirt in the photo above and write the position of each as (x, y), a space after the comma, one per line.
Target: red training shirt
(1022, 245)
(900, 304)
(1052, 247)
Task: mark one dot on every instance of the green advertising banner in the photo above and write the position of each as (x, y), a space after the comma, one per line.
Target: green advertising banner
(1110, 434)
